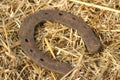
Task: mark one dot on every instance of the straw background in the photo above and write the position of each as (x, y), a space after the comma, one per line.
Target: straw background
(60, 41)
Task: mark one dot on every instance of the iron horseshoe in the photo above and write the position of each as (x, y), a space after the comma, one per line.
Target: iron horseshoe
(26, 36)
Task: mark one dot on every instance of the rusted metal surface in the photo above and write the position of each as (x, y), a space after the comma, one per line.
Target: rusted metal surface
(26, 35)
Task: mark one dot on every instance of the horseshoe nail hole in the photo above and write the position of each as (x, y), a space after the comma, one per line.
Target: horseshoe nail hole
(46, 13)
(26, 40)
(41, 59)
(60, 14)
(31, 50)
(73, 18)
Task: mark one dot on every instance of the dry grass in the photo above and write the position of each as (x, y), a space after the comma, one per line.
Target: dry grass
(64, 43)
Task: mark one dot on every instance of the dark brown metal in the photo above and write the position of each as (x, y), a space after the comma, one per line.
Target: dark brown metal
(26, 35)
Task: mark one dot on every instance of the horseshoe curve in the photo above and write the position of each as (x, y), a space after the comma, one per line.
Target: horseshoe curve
(26, 36)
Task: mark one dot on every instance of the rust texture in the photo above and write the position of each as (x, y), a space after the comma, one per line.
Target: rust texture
(26, 36)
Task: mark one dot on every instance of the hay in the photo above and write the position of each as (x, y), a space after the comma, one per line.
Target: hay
(64, 43)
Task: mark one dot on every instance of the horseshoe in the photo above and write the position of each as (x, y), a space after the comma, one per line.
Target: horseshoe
(26, 36)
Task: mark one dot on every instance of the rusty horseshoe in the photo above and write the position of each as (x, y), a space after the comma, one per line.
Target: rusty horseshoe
(26, 36)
